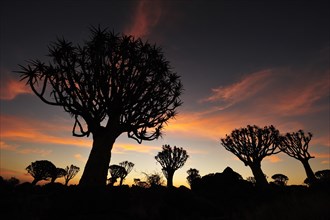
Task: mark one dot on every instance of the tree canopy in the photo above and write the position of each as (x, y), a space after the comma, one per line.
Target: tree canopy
(171, 159)
(41, 170)
(251, 145)
(112, 83)
(296, 145)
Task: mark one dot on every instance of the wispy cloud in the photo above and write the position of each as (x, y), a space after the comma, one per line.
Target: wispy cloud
(11, 86)
(249, 86)
(284, 92)
(146, 16)
(20, 129)
(22, 150)
(80, 158)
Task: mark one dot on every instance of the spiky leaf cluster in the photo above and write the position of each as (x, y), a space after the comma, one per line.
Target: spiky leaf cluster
(296, 145)
(252, 144)
(116, 79)
(171, 158)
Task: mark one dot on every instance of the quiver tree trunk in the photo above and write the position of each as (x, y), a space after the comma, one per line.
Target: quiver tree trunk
(96, 169)
(170, 174)
(261, 181)
(309, 172)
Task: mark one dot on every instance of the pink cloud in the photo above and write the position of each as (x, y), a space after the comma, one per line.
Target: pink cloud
(146, 17)
(22, 150)
(246, 88)
(281, 92)
(11, 87)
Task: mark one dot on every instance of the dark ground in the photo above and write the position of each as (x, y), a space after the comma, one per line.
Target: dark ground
(55, 201)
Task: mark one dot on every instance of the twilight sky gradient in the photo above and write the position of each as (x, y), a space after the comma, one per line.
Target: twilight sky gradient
(241, 62)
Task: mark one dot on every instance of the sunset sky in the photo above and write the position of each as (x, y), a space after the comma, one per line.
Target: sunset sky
(241, 63)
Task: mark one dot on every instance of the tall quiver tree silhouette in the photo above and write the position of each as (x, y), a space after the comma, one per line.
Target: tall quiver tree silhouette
(114, 84)
(128, 166)
(251, 145)
(41, 170)
(71, 172)
(171, 160)
(296, 145)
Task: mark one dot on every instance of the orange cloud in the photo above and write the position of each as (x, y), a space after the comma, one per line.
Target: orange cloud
(20, 150)
(80, 158)
(146, 17)
(53, 132)
(273, 159)
(11, 87)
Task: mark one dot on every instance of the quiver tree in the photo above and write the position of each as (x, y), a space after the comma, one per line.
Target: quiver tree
(128, 166)
(41, 170)
(116, 172)
(112, 83)
(171, 160)
(280, 179)
(251, 145)
(71, 172)
(193, 175)
(296, 145)
(59, 173)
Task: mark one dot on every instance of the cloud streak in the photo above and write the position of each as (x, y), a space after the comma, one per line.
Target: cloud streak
(146, 17)
(11, 87)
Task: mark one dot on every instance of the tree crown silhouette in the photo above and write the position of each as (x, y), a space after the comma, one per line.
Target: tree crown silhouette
(251, 145)
(41, 170)
(171, 159)
(113, 84)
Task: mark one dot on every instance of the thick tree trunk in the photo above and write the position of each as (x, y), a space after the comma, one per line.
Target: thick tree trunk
(170, 175)
(96, 169)
(261, 181)
(309, 172)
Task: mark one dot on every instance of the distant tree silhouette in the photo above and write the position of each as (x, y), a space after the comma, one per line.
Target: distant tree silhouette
(193, 174)
(116, 172)
(41, 170)
(60, 172)
(71, 172)
(296, 145)
(128, 166)
(154, 179)
(114, 84)
(139, 183)
(171, 160)
(323, 175)
(251, 145)
(280, 179)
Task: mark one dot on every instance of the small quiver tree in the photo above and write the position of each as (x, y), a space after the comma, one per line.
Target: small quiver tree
(128, 166)
(251, 145)
(296, 145)
(71, 172)
(171, 160)
(116, 172)
(41, 170)
(280, 179)
(193, 175)
(60, 172)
